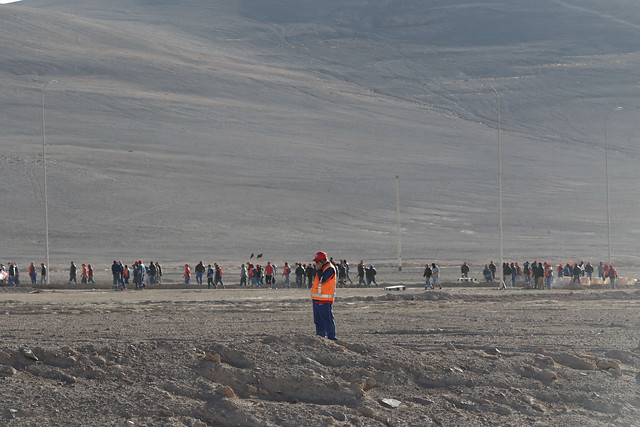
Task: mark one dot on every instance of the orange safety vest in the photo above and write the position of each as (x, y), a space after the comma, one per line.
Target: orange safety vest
(326, 291)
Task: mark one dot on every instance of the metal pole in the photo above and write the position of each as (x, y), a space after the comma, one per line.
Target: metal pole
(398, 218)
(46, 201)
(502, 279)
(606, 172)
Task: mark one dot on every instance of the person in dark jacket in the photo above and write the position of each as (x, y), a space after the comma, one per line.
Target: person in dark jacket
(371, 275)
(427, 275)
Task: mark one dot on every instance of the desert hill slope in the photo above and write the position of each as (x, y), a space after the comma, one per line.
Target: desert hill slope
(208, 129)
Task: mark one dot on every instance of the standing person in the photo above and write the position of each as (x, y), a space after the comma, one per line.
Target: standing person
(143, 271)
(73, 273)
(268, 274)
(12, 274)
(371, 275)
(32, 274)
(539, 272)
(210, 273)
(217, 276)
(158, 273)
(601, 271)
(342, 274)
(258, 275)
(83, 278)
(199, 272)
(492, 267)
(243, 275)
(299, 275)
(435, 271)
(612, 276)
(90, 274)
(152, 273)
(187, 274)
(116, 271)
(464, 270)
(311, 273)
(589, 270)
(43, 273)
(514, 275)
(488, 276)
(361, 275)
(322, 296)
(427, 275)
(125, 276)
(17, 273)
(577, 272)
(286, 272)
(527, 274)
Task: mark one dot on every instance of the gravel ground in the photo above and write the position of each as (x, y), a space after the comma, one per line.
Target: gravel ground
(194, 357)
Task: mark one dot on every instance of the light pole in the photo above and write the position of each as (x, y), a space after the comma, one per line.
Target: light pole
(46, 204)
(500, 267)
(398, 219)
(606, 172)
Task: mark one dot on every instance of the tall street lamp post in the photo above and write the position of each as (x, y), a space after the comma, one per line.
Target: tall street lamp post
(46, 202)
(606, 172)
(502, 279)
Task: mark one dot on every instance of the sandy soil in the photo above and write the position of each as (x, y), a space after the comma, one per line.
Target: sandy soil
(193, 357)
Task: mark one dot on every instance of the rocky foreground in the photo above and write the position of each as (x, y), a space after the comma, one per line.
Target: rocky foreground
(247, 358)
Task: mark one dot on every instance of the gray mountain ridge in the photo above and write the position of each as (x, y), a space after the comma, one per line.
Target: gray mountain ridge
(177, 131)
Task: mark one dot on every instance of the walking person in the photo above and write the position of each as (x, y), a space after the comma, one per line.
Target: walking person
(361, 275)
(322, 296)
(73, 273)
(435, 272)
(83, 278)
(346, 268)
(371, 275)
(217, 277)
(90, 274)
(210, 274)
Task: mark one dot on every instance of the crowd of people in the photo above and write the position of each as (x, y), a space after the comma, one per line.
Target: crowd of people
(537, 274)
(540, 275)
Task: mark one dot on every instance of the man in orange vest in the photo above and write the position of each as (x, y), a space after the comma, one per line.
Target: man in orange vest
(323, 293)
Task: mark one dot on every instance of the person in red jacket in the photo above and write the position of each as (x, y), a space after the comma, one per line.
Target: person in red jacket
(323, 293)
(187, 274)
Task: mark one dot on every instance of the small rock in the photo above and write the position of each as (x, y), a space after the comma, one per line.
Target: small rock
(4, 355)
(251, 389)
(390, 403)
(608, 364)
(450, 347)
(227, 392)
(494, 351)
(7, 370)
(213, 357)
(28, 353)
(369, 383)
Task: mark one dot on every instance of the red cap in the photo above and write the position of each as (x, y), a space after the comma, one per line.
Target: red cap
(320, 256)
